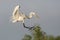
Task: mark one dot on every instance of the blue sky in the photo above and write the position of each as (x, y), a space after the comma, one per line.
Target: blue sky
(48, 11)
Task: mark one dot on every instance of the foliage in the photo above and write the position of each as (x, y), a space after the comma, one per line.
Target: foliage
(51, 37)
(27, 37)
(38, 34)
(57, 38)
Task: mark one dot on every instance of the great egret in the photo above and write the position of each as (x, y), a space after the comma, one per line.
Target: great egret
(19, 16)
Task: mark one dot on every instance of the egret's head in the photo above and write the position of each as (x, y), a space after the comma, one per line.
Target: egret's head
(34, 14)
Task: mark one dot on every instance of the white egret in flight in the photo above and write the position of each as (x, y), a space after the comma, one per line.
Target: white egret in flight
(20, 17)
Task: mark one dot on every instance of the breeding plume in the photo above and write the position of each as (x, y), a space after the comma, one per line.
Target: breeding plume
(18, 16)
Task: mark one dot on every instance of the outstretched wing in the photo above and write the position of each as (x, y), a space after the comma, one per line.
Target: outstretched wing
(15, 14)
(16, 11)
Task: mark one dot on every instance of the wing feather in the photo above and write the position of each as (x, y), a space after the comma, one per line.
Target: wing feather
(16, 10)
(15, 14)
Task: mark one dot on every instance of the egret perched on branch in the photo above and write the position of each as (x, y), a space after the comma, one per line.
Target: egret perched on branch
(19, 16)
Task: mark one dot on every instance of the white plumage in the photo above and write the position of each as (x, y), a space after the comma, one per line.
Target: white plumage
(20, 17)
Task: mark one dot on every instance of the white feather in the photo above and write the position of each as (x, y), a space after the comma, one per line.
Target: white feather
(18, 16)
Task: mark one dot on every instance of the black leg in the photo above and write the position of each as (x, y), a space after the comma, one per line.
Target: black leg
(27, 27)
